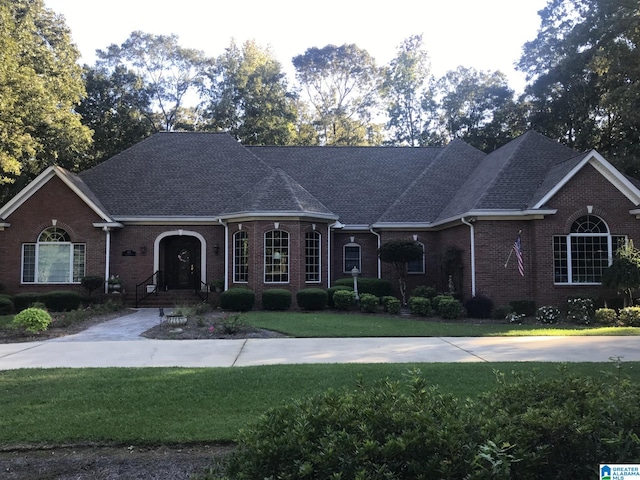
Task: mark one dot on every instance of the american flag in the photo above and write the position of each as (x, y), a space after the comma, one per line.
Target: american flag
(517, 247)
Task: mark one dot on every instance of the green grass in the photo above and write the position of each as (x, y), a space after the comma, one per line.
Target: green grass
(176, 405)
(329, 324)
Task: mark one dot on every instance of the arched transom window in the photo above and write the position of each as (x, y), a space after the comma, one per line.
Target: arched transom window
(582, 256)
(53, 258)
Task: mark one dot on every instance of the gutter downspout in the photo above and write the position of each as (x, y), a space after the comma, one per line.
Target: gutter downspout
(473, 255)
(330, 228)
(226, 254)
(107, 258)
(379, 264)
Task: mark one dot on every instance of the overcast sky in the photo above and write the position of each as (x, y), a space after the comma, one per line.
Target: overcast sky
(487, 35)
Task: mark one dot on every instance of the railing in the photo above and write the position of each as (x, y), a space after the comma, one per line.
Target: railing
(202, 291)
(141, 288)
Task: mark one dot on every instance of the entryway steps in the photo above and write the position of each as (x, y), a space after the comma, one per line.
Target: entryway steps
(170, 298)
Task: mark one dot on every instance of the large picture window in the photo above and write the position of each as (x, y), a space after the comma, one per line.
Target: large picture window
(53, 259)
(240, 257)
(276, 257)
(312, 256)
(583, 255)
(352, 257)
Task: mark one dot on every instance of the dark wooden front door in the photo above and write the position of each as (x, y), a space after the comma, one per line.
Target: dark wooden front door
(182, 263)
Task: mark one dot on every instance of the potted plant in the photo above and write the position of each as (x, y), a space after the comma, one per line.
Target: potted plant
(179, 315)
(115, 283)
(218, 285)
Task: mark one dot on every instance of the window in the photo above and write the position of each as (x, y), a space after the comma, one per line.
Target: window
(582, 256)
(352, 257)
(276, 257)
(53, 259)
(312, 257)
(417, 266)
(240, 257)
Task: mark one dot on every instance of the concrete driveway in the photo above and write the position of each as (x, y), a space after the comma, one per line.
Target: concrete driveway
(117, 343)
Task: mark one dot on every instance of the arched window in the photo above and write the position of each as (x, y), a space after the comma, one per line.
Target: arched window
(312, 256)
(53, 259)
(582, 256)
(417, 266)
(352, 257)
(276, 257)
(240, 257)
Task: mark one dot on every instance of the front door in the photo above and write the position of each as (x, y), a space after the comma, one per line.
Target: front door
(182, 263)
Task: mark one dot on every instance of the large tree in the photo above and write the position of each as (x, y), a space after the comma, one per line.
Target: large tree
(406, 81)
(40, 87)
(247, 94)
(584, 74)
(168, 70)
(342, 83)
(117, 108)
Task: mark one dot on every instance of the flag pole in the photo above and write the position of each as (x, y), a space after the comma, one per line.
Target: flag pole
(508, 258)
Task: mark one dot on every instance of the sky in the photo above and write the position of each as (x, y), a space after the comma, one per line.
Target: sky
(486, 35)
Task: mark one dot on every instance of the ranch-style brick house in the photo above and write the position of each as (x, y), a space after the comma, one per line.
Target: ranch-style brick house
(179, 211)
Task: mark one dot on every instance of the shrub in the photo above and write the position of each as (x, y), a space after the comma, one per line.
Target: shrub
(580, 311)
(25, 300)
(344, 299)
(479, 307)
(6, 305)
(276, 299)
(548, 315)
(450, 308)
(62, 300)
(369, 303)
(374, 286)
(391, 429)
(435, 301)
(629, 317)
(239, 299)
(524, 307)
(332, 290)
(393, 306)
(423, 291)
(606, 316)
(501, 312)
(384, 301)
(312, 298)
(420, 306)
(92, 282)
(32, 320)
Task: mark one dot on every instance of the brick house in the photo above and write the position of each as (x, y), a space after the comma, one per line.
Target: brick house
(182, 210)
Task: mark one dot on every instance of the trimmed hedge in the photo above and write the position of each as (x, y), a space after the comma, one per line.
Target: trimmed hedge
(524, 307)
(33, 320)
(25, 300)
(344, 299)
(312, 298)
(368, 303)
(420, 306)
(276, 299)
(606, 316)
(332, 290)
(479, 306)
(62, 300)
(374, 286)
(450, 308)
(238, 299)
(6, 305)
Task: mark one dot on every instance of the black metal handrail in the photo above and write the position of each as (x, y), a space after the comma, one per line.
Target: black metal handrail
(141, 288)
(202, 291)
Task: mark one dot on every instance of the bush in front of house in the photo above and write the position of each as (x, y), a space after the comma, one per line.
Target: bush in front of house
(450, 308)
(524, 307)
(369, 303)
(374, 286)
(606, 316)
(312, 298)
(92, 282)
(237, 299)
(344, 299)
(62, 300)
(580, 311)
(276, 299)
(501, 312)
(334, 289)
(548, 315)
(423, 291)
(25, 300)
(391, 304)
(435, 301)
(420, 306)
(479, 306)
(6, 305)
(629, 317)
(33, 320)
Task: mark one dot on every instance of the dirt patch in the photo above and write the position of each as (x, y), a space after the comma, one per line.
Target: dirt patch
(110, 462)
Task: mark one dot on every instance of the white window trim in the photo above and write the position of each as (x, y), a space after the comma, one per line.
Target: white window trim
(264, 259)
(318, 238)
(36, 280)
(344, 256)
(235, 280)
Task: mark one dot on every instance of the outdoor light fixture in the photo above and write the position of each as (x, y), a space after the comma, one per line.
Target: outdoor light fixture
(355, 272)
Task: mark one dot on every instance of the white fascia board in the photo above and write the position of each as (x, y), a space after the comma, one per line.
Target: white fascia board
(278, 214)
(168, 220)
(401, 225)
(529, 214)
(607, 170)
(108, 225)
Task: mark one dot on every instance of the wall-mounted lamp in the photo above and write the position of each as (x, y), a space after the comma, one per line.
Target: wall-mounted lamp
(216, 248)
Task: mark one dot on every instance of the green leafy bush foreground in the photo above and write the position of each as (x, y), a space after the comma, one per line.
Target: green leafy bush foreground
(527, 428)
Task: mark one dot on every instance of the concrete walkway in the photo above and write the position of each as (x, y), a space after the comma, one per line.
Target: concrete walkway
(117, 343)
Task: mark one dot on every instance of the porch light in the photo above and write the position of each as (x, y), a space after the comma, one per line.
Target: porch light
(355, 272)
